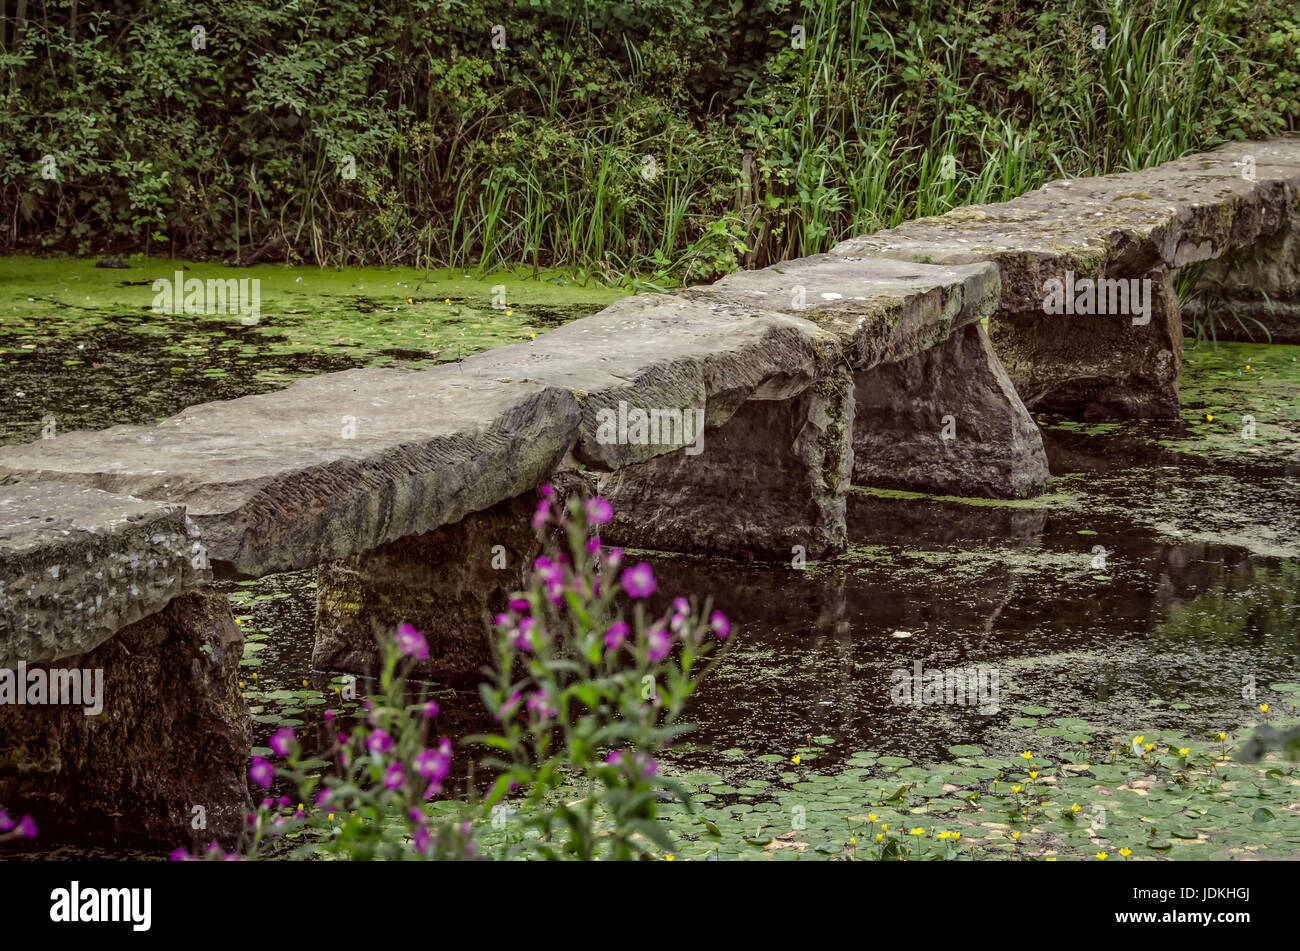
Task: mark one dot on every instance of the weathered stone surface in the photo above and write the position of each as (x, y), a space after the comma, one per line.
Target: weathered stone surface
(947, 421)
(1126, 225)
(173, 735)
(658, 352)
(328, 467)
(772, 477)
(1100, 366)
(78, 564)
(882, 309)
(448, 584)
(1255, 293)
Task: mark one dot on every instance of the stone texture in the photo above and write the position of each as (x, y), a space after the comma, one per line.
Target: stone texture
(444, 583)
(882, 310)
(78, 564)
(274, 483)
(995, 448)
(1255, 292)
(1100, 366)
(1125, 225)
(173, 734)
(665, 352)
(772, 477)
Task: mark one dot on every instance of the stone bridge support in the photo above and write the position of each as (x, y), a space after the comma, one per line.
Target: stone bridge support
(1114, 365)
(947, 421)
(448, 584)
(770, 480)
(165, 761)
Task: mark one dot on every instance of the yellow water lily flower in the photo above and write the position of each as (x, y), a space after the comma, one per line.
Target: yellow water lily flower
(669, 857)
(1033, 774)
(1026, 755)
(1074, 807)
(1015, 789)
(1184, 751)
(918, 831)
(871, 818)
(795, 759)
(1263, 707)
(1126, 852)
(1101, 856)
(879, 836)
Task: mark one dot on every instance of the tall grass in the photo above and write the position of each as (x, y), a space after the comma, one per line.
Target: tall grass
(890, 110)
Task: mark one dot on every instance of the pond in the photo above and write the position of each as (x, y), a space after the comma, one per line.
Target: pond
(1154, 591)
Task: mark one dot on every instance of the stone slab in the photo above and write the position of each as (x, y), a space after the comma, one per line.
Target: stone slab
(77, 564)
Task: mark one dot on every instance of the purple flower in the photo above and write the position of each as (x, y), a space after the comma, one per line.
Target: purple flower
(523, 638)
(179, 855)
(508, 708)
(435, 764)
(657, 643)
(5, 822)
(412, 643)
(538, 704)
(261, 772)
(431, 709)
(721, 626)
(281, 740)
(26, 828)
(543, 511)
(518, 604)
(614, 757)
(546, 490)
(379, 742)
(650, 768)
(599, 511)
(615, 635)
(421, 839)
(639, 581)
(323, 797)
(394, 776)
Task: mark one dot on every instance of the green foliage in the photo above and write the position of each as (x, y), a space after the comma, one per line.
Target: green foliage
(586, 702)
(397, 132)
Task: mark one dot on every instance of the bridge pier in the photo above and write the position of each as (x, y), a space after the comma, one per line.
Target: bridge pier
(946, 421)
(448, 584)
(769, 480)
(1255, 292)
(166, 758)
(1099, 366)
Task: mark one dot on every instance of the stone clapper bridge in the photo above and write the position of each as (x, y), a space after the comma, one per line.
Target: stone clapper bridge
(906, 359)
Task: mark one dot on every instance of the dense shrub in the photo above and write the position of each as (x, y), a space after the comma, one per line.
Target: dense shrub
(346, 132)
